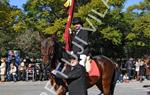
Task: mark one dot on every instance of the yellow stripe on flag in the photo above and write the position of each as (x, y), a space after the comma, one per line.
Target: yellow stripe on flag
(68, 3)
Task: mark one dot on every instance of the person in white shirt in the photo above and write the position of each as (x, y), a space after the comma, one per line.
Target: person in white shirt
(137, 68)
(13, 71)
(126, 78)
(3, 69)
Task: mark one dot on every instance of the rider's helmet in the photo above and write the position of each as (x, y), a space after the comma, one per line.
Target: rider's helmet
(77, 20)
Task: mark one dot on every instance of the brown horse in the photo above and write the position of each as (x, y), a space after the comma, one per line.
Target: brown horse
(147, 61)
(105, 83)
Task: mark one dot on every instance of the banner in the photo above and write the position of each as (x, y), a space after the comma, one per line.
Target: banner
(70, 4)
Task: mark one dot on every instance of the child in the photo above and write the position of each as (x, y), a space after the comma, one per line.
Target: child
(126, 78)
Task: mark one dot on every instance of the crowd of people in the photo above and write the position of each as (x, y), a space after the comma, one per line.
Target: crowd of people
(27, 69)
(32, 69)
(134, 69)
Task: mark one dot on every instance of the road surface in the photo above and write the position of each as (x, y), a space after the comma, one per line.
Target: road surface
(41, 88)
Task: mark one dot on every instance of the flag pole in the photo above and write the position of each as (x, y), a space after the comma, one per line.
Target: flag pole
(71, 5)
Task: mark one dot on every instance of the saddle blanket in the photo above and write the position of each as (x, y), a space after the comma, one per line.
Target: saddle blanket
(94, 70)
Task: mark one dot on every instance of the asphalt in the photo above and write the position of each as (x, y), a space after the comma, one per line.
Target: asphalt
(41, 88)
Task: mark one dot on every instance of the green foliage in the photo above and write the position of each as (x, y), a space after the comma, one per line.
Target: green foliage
(138, 18)
(3, 51)
(28, 41)
(131, 36)
(44, 15)
(143, 6)
(119, 33)
(112, 34)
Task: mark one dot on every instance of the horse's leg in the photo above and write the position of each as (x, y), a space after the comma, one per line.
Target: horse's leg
(106, 77)
(106, 83)
(113, 82)
(99, 86)
(61, 91)
(109, 82)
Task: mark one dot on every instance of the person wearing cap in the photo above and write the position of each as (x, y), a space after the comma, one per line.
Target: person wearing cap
(75, 77)
(83, 35)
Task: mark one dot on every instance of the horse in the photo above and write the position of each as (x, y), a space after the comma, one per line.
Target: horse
(147, 62)
(105, 82)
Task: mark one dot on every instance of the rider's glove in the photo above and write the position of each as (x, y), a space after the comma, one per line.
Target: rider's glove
(71, 53)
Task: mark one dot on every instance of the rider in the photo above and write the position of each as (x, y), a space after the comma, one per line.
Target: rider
(76, 78)
(83, 35)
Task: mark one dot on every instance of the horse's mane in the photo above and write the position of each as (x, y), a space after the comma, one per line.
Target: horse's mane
(57, 53)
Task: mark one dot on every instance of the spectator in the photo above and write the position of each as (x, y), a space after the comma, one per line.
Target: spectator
(27, 61)
(3, 69)
(30, 72)
(129, 65)
(22, 70)
(12, 72)
(142, 70)
(126, 78)
(137, 68)
(119, 75)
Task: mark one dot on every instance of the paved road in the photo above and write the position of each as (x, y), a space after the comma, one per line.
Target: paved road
(38, 88)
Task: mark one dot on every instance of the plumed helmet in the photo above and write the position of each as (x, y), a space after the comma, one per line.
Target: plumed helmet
(77, 20)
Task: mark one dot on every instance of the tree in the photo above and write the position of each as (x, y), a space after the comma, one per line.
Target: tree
(139, 36)
(108, 38)
(120, 32)
(28, 42)
(49, 16)
(10, 19)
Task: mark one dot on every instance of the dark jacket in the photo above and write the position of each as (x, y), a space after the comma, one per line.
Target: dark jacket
(82, 34)
(129, 64)
(76, 80)
(142, 70)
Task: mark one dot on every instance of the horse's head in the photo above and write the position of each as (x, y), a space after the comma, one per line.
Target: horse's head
(47, 49)
(48, 56)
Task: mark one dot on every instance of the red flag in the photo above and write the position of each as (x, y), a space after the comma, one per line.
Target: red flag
(70, 16)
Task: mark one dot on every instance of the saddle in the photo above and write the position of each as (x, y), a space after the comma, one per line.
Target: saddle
(92, 68)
